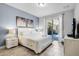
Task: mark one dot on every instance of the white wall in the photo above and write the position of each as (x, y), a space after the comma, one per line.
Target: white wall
(76, 12)
(42, 24)
(68, 17)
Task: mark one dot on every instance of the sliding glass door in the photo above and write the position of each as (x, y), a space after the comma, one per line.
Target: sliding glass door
(55, 27)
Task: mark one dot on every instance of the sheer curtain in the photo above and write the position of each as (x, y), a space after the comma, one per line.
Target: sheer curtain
(59, 25)
(44, 24)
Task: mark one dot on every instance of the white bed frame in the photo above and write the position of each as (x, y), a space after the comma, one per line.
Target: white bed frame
(36, 42)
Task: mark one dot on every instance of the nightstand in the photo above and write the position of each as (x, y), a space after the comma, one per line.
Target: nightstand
(11, 41)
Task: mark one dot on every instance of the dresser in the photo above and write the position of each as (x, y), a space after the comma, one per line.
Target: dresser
(71, 46)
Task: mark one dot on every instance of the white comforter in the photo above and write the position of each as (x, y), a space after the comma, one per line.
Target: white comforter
(36, 44)
(34, 41)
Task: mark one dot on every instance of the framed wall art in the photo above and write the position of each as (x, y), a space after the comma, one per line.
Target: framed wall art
(20, 21)
(23, 22)
(30, 23)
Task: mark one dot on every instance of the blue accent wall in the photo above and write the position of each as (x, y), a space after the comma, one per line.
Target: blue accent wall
(8, 18)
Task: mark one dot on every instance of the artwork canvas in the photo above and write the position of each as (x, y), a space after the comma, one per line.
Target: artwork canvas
(21, 22)
(30, 23)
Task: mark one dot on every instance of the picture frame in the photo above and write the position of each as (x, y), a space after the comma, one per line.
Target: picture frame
(30, 23)
(23, 22)
(20, 21)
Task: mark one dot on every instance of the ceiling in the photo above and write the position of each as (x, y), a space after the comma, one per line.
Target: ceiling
(50, 8)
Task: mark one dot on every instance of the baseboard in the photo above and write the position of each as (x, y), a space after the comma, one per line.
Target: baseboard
(2, 47)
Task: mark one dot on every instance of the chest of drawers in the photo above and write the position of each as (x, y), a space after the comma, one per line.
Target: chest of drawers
(11, 42)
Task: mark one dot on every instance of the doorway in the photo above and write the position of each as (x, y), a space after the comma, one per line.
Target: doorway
(55, 28)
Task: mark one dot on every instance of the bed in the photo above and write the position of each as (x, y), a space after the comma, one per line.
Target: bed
(33, 40)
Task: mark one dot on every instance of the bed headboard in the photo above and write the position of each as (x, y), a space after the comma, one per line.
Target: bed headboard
(28, 32)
